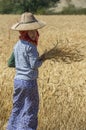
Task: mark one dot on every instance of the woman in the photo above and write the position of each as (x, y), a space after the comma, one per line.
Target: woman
(27, 61)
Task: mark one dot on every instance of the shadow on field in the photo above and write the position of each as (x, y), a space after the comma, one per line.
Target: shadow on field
(67, 55)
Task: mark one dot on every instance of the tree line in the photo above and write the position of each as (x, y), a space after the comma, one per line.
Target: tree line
(20, 6)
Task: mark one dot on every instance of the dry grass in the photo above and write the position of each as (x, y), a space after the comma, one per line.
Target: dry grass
(62, 78)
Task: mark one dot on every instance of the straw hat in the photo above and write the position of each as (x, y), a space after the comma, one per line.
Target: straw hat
(28, 22)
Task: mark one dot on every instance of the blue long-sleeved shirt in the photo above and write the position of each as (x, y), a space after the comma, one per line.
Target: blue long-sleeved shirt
(26, 60)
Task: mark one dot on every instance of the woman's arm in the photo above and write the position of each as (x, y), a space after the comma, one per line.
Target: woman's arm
(33, 54)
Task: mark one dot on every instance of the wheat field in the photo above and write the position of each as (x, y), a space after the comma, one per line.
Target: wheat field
(62, 78)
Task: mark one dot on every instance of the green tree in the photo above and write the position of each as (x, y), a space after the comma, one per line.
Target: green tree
(19, 6)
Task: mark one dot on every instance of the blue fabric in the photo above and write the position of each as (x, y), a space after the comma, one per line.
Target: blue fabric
(26, 60)
(25, 106)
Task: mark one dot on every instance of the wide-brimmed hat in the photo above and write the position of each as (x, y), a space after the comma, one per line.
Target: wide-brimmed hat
(28, 22)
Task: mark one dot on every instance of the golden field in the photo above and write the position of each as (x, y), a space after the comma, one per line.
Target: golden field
(62, 79)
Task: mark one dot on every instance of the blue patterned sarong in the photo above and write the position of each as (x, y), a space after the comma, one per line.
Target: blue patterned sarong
(25, 106)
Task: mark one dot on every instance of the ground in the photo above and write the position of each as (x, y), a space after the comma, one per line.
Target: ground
(62, 79)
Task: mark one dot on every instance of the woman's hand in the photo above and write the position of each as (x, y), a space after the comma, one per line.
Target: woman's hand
(42, 57)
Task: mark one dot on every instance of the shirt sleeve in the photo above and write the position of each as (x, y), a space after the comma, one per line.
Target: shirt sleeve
(11, 60)
(34, 57)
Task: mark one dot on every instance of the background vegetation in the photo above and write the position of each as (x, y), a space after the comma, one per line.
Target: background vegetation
(36, 6)
(72, 10)
(20, 6)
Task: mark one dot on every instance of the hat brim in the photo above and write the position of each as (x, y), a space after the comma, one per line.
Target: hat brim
(28, 26)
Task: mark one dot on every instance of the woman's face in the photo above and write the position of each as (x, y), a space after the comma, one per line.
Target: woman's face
(32, 34)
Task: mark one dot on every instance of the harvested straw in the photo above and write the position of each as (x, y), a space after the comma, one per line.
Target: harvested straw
(64, 53)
